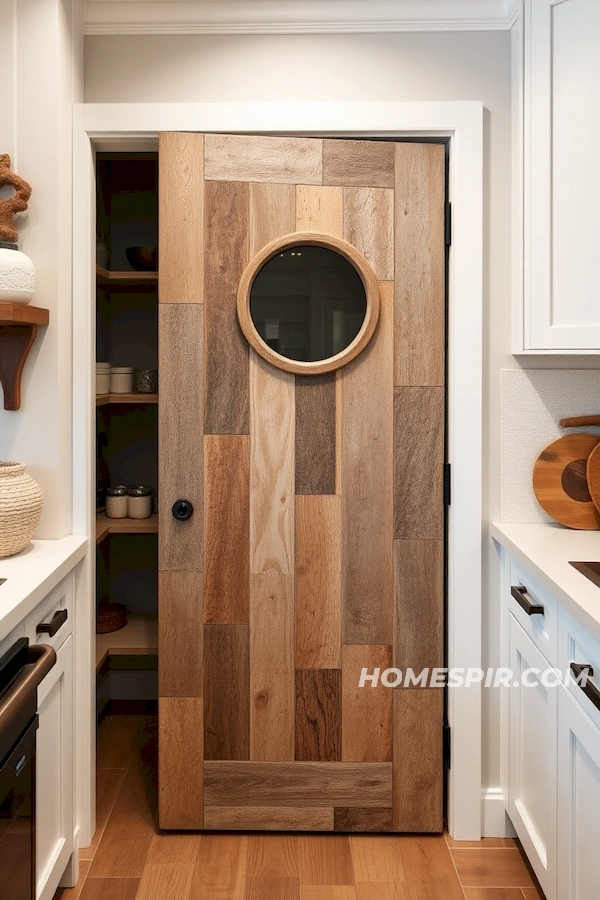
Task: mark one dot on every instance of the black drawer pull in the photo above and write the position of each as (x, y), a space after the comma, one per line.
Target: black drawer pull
(58, 620)
(590, 690)
(522, 597)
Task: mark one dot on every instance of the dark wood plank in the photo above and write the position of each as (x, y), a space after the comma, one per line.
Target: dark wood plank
(268, 818)
(418, 759)
(227, 691)
(226, 257)
(419, 604)
(418, 463)
(315, 434)
(226, 528)
(358, 163)
(180, 634)
(356, 819)
(180, 802)
(180, 427)
(319, 715)
(315, 784)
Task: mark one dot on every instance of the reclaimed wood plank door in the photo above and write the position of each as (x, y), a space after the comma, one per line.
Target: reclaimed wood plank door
(315, 548)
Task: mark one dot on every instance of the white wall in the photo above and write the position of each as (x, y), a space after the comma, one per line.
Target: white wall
(41, 76)
(449, 66)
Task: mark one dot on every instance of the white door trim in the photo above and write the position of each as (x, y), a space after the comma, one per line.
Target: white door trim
(462, 123)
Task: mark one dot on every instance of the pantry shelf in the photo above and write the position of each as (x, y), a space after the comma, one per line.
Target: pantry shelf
(139, 637)
(108, 276)
(106, 526)
(105, 399)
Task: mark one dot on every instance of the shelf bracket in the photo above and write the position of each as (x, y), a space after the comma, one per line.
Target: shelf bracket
(15, 342)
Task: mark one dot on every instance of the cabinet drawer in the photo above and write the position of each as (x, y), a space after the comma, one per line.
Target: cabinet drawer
(55, 612)
(576, 646)
(535, 610)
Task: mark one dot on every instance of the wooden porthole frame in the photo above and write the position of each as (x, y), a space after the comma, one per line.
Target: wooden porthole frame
(309, 239)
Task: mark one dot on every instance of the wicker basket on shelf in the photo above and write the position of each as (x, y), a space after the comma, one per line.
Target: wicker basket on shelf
(110, 617)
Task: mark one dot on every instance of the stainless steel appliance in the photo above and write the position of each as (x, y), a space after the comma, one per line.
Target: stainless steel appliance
(21, 670)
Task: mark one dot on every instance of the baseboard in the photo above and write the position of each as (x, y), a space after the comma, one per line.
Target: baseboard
(494, 820)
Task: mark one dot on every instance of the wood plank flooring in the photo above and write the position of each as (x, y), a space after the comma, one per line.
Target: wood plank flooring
(130, 859)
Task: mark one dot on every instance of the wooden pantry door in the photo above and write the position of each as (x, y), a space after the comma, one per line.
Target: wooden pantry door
(316, 544)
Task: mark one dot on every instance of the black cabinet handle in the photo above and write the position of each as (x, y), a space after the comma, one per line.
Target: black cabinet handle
(590, 690)
(525, 602)
(182, 510)
(58, 620)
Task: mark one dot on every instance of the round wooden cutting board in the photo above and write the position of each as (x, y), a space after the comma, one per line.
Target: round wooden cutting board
(560, 484)
(593, 475)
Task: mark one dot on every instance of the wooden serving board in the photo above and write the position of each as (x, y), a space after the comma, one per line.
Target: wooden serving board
(560, 484)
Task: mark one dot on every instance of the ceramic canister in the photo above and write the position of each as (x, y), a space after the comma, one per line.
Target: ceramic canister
(121, 380)
(17, 274)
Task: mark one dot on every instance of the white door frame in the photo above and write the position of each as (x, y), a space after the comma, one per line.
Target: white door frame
(461, 122)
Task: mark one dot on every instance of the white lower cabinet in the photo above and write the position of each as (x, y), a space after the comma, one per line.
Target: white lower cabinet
(54, 790)
(578, 801)
(532, 757)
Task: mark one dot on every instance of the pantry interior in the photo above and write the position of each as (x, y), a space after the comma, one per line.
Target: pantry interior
(126, 427)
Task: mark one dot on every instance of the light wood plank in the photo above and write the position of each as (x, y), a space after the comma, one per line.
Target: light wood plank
(490, 868)
(108, 785)
(377, 858)
(271, 469)
(226, 350)
(320, 209)
(272, 213)
(181, 217)
(418, 720)
(268, 818)
(369, 226)
(362, 820)
(226, 528)
(328, 892)
(496, 893)
(532, 894)
(483, 844)
(272, 856)
(420, 264)
(287, 160)
(429, 873)
(418, 604)
(318, 714)
(371, 890)
(419, 463)
(226, 691)
(167, 880)
(306, 784)
(367, 486)
(180, 729)
(221, 867)
(359, 163)
(372, 705)
(272, 889)
(173, 849)
(272, 667)
(318, 582)
(325, 860)
(180, 635)
(180, 427)
(315, 434)
(101, 888)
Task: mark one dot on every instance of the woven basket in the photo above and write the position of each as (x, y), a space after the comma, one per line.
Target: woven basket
(21, 502)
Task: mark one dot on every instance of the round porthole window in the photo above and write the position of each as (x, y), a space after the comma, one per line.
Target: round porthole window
(308, 303)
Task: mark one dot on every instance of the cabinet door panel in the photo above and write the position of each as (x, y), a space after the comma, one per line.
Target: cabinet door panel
(579, 801)
(532, 758)
(54, 773)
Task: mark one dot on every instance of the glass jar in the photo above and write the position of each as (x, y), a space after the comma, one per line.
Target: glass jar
(117, 502)
(146, 381)
(139, 505)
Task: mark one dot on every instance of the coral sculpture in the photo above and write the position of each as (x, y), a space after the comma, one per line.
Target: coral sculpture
(10, 206)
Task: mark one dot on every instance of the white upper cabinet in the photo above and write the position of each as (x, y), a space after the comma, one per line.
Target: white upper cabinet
(557, 307)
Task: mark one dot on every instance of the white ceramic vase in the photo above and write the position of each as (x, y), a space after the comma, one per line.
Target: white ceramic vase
(21, 501)
(17, 274)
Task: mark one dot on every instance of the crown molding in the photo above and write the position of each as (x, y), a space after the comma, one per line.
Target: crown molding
(296, 16)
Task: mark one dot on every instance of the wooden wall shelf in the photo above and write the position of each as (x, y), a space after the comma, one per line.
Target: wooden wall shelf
(18, 329)
(129, 275)
(138, 638)
(106, 526)
(105, 399)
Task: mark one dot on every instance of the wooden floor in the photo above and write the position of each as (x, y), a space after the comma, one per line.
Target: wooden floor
(130, 860)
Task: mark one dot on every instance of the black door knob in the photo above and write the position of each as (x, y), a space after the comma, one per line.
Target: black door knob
(182, 510)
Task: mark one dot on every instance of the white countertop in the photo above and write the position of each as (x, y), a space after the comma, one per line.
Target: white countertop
(545, 551)
(32, 574)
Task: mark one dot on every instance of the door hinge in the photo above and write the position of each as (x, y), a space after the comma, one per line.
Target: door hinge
(447, 484)
(448, 223)
(447, 745)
